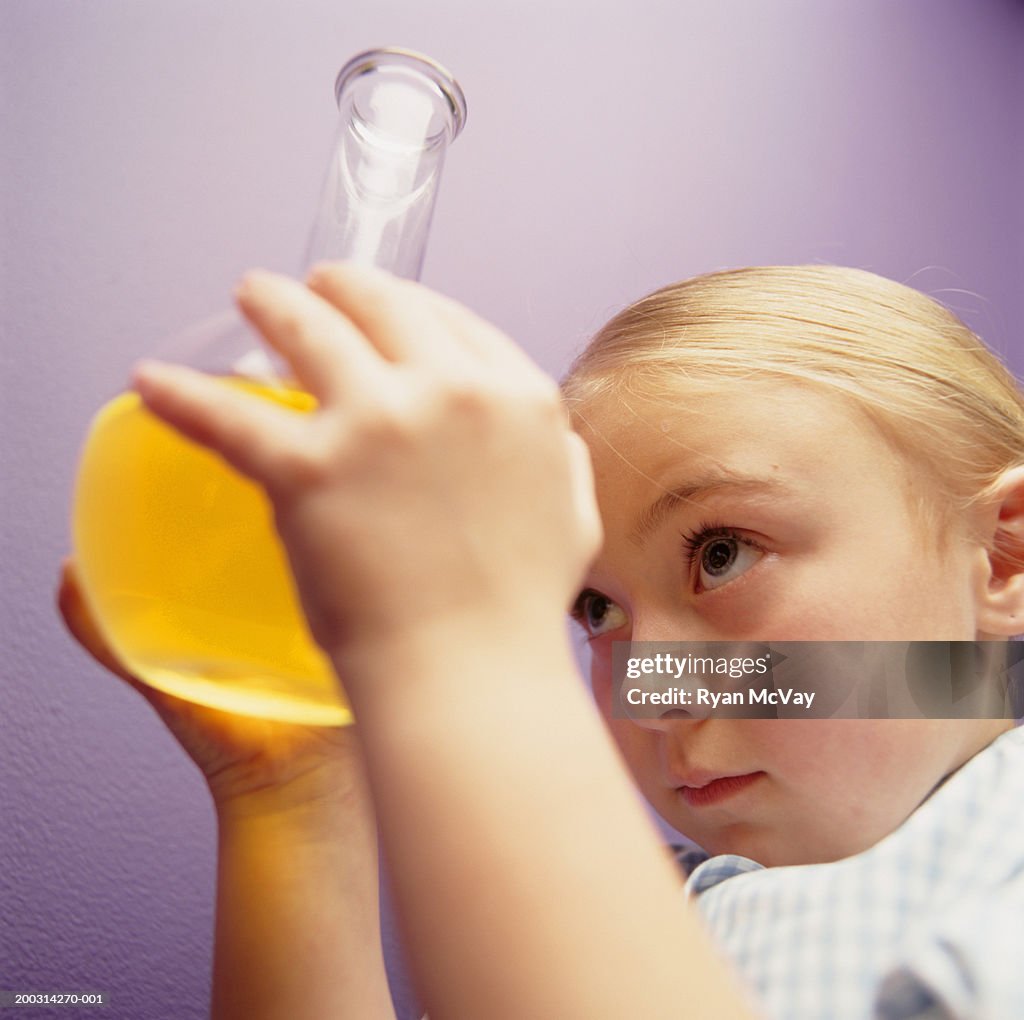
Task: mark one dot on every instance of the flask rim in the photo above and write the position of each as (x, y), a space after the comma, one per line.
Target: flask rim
(397, 56)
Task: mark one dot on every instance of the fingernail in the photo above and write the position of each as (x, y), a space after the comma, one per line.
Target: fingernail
(250, 282)
(349, 266)
(147, 372)
(322, 273)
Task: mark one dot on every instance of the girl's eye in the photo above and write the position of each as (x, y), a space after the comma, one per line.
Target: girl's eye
(596, 613)
(720, 556)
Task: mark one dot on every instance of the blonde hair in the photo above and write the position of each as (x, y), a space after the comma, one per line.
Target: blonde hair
(937, 394)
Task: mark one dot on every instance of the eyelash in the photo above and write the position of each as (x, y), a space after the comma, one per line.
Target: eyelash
(694, 542)
(578, 611)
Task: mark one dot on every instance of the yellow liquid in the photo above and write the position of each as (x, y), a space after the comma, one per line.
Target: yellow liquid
(184, 573)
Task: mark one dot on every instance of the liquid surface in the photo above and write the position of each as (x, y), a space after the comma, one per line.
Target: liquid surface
(184, 573)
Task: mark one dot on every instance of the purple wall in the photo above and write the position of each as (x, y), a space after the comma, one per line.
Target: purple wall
(152, 151)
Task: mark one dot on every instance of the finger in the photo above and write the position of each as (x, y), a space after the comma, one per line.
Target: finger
(254, 436)
(82, 627)
(80, 623)
(584, 496)
(350, 288)
(483, 338)
(394, 314)
(328, 354)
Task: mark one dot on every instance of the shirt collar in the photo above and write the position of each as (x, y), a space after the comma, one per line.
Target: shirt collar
(704, 871)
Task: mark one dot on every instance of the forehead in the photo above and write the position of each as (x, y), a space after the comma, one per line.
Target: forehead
(784, 433)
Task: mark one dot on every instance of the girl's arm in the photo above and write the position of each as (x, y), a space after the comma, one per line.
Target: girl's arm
(528, 877)
(439, 516)
(297, 931)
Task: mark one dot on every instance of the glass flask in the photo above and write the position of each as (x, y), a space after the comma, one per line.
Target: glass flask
(177, 555)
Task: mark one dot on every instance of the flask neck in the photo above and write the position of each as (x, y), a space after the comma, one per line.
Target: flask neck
(398, 113)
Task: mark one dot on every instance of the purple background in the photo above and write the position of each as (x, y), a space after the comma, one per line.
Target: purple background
(152, 151)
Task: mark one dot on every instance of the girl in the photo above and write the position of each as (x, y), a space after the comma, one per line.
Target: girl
(778, 454)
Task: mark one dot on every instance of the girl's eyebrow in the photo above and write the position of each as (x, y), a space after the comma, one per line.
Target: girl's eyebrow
(694, 490)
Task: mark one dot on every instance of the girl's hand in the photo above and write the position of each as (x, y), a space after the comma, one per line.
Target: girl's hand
(262, 764)
(296, 852)
(438, 483)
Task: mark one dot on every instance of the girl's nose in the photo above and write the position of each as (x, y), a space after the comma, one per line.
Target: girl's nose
(659, 700)
(660, 717)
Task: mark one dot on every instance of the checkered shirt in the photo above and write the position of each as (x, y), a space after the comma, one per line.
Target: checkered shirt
(928, 923)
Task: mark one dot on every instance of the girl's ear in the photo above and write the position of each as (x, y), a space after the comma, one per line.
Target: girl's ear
(1001, 595)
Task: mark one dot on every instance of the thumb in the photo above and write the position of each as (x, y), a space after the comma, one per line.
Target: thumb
(83, 627)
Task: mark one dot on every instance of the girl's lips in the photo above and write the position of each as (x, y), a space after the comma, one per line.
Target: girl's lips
(717, 789)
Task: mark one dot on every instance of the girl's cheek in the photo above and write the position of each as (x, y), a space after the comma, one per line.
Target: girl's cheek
(777, 600)
(748, 611)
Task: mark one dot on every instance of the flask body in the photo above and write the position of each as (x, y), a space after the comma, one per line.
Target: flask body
(186, 575)
(178, 557)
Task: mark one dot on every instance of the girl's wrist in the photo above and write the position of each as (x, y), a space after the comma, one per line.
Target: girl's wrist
(409, 634)
(455, 659)
(322, 801)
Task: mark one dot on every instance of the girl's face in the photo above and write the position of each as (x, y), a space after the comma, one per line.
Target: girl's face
(771, 512)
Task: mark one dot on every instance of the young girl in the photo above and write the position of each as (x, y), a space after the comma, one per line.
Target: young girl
(778, 454)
